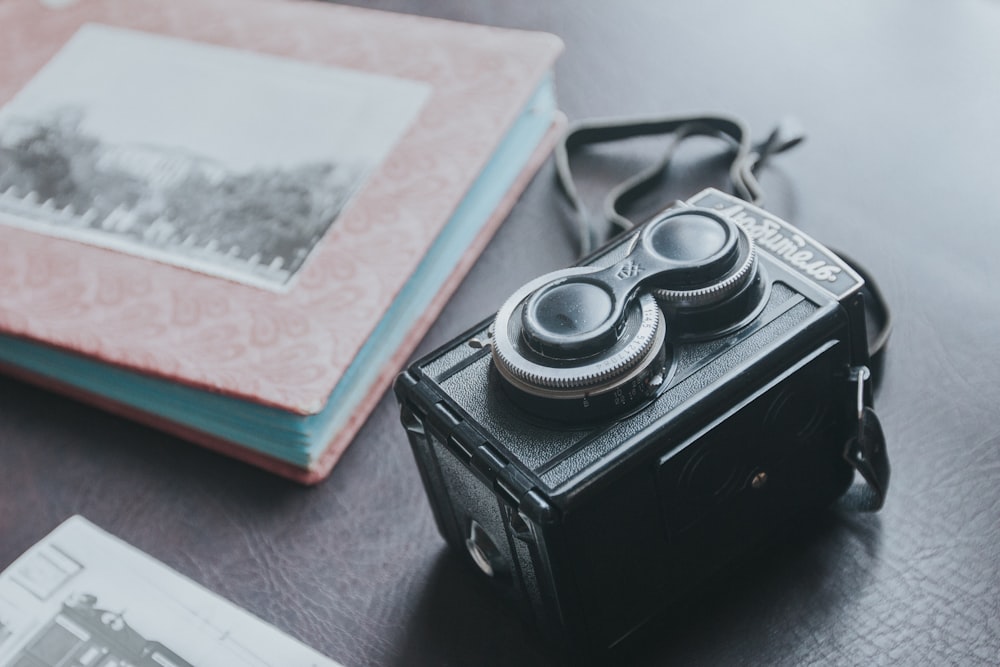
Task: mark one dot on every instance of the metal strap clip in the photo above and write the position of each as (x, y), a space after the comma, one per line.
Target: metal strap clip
(866, 453)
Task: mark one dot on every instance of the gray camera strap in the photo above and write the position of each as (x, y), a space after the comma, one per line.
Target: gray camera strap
(866, 450)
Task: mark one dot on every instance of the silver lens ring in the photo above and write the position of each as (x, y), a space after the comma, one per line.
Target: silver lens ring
(564, 379)
(716, 292)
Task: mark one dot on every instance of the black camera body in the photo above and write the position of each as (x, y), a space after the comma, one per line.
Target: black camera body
(596, 498)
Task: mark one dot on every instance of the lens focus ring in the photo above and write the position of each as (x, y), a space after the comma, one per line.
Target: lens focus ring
(710, 294)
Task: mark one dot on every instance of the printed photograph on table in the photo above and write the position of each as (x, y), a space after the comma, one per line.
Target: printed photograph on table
(83, 598)
(226, 162)
(82, 633)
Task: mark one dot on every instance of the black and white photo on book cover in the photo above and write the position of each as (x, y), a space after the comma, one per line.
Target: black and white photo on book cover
(82, 598)
(227, 162)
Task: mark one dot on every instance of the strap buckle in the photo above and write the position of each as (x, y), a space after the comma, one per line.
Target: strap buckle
(866, 452)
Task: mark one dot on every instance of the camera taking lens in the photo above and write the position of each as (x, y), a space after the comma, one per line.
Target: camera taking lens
(562, 353)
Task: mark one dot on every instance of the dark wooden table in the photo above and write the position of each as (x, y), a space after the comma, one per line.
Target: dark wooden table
(901, 102)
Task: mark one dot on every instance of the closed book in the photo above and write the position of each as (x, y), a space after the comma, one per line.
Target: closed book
(235, 219)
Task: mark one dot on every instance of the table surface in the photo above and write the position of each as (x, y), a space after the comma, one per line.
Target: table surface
(901, 104)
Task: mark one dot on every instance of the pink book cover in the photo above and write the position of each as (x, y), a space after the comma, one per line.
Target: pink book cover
(237, 205)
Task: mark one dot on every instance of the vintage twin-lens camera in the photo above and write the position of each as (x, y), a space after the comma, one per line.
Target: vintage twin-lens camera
(626, 427)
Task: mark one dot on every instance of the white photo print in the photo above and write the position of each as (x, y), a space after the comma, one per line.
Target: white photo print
(224, 161)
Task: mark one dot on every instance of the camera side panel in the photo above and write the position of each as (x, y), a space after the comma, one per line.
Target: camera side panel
(688, 510)
(499, 529)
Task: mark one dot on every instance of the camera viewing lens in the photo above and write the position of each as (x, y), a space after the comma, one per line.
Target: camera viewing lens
(721, 288)
(689, 237)
(700, 247)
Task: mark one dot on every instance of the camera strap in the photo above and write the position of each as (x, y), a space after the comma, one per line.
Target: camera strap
(865, 451)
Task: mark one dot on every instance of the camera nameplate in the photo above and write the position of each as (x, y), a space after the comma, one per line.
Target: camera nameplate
(787, 244)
